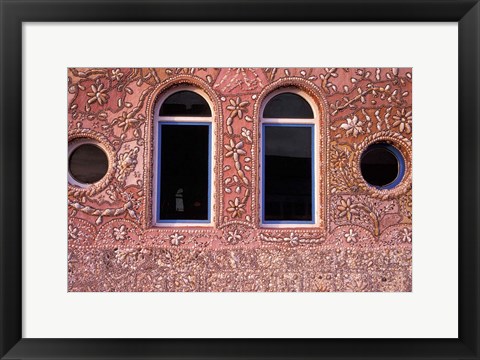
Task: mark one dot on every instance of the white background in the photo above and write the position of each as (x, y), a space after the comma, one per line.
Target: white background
(429, 311)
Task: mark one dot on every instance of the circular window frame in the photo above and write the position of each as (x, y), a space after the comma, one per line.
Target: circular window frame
(74, 145)
(404, 147)
(400, 164)
(80, 137)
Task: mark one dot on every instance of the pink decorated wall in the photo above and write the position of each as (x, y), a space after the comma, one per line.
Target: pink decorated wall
(361, 239)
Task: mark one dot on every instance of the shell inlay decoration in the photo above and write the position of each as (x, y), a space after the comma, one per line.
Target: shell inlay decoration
(209, 190)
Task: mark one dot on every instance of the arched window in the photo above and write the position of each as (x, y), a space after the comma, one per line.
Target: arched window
(288, 164)
(287, 105)
(183, 158)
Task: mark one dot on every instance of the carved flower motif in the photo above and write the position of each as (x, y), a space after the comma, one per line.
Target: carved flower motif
(176, 239)
(339, 158)
(120, 233)
(351, 236)
(234, 237)
(356, 286)
(72, 232)
(293, 239)
(99, 94)
(235, 150)
(403, 120)
(126, 121)
(237, 107)
(116, 74)
(347, 209)
(406, 235)
(353, 126)
(236, 207)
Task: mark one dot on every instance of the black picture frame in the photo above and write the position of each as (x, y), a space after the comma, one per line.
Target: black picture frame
(14, 13)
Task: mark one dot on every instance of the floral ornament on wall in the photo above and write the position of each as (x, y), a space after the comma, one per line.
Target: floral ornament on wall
(351, 236)
(98, 94)
(353, 126)
(234, 237)
(176, 239)
(236, 207)
(120, 233)
(403, 119)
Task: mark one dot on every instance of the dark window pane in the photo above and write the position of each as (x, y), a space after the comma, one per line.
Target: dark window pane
(185, 103)
(287, 175)
(184, 172)
(380, 165)
(288, 105)
(88, 164)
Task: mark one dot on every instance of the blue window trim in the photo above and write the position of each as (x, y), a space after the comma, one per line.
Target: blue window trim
(159, 167)
(401, 164)
(288, 222)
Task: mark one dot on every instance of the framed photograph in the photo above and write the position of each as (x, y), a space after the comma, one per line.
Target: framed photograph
(241, 180)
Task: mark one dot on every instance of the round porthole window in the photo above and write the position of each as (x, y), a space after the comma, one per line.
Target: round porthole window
(382, 166)
(87, 163)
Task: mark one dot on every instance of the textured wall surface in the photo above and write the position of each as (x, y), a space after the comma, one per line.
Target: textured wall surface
(363, 239)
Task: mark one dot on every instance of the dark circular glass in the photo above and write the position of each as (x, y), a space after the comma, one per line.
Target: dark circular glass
(88, 163)
(382, 166)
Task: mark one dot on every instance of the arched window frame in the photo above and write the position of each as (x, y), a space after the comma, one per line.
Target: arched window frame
(314, 123)
(165, 120)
